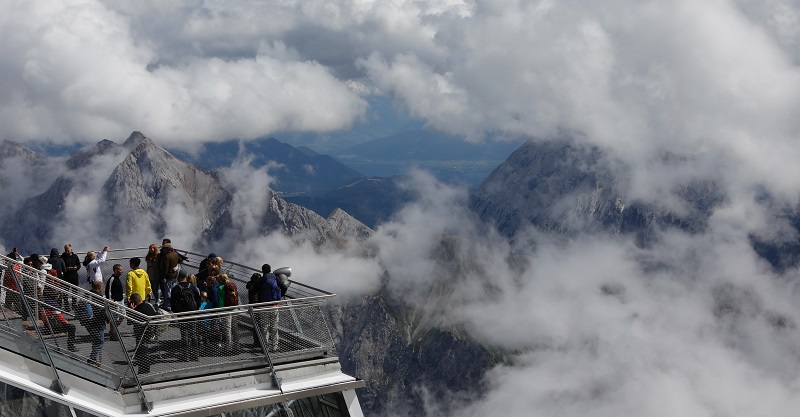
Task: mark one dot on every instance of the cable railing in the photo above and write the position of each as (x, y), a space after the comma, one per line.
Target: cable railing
(238, 273)
(74, 330)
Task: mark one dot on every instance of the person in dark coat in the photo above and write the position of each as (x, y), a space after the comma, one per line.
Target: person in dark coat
(15, 255)
(72, 264)
(253, 288)
(170, 261)
(142, 332)
(190, 344)
(57, 263)
(270, 291)
(202, 272)
(115, 291)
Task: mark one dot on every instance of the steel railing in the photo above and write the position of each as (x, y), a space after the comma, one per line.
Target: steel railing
(47, 319)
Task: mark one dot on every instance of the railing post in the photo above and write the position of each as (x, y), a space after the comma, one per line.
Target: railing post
(57, 385)
(264, 349)
(146, 405)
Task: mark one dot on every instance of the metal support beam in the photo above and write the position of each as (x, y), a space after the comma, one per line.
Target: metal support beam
(146, 405)
(264, 348)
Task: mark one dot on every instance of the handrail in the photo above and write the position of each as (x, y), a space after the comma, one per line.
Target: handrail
(252, 335)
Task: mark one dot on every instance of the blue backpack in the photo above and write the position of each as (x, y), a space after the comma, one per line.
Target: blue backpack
(270, 291)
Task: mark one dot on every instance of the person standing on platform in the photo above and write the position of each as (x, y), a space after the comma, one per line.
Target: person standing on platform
(137, 280)
(170, 261)
(184, 298)
(152, 259)
(95, 322)
(92, 262)
(71, 265)
(115, 292)
(143, 333)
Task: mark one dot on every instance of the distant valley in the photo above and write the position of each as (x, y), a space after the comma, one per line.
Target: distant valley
(362, 179)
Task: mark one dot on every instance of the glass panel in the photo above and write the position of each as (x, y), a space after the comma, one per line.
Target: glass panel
(18, 402)
(328, 405)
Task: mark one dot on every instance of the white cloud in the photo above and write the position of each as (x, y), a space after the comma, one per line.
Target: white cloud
(77, 72)
(693, 325)
(713, 80)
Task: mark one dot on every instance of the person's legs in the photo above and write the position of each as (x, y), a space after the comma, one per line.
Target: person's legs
(74, 292)
(70, 335)
(168, 292)
(227, 331)
(273, 330)
(98, 339)
(155, 285)
(194, 341)
(143, 357)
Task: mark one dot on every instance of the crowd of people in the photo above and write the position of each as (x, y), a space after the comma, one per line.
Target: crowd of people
(162, 282)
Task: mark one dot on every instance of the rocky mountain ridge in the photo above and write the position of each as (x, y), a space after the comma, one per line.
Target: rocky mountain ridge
(139, 186)
(564, 187)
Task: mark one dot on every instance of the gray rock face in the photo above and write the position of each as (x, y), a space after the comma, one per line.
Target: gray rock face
(133, 184)
(149, 179)
(562, 187)
(23, 174)
(400, 373)
(348, 227)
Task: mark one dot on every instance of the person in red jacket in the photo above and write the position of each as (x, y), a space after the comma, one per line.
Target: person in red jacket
(54, 322)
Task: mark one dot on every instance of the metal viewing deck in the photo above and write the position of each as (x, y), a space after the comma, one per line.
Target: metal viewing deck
(147, 365)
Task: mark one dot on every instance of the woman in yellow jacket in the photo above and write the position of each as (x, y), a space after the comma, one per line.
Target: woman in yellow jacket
(138, 281)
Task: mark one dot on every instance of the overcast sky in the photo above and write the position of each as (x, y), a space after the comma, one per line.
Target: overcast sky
(714, 82)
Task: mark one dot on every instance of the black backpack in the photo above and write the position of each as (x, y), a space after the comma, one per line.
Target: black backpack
(186, 302)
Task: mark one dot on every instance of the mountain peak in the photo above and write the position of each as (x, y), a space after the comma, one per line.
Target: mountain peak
(85, 155)
(134, 139)
(10, 149)
(347, 226)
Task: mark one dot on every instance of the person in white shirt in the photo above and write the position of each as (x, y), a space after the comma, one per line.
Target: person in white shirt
(92, 263)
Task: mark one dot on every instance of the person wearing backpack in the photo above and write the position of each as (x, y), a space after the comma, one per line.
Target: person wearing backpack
(186, 297)
(270, 291)
(227, 296)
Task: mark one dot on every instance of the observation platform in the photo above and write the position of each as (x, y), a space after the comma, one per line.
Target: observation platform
(197, 363)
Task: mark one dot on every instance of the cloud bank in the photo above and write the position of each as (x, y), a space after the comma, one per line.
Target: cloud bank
(715, 80)
(695, 325)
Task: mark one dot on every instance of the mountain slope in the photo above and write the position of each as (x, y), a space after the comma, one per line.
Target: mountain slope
(130, 192)
(150, 181)
(372, 200)
(294, 171)
(23, 174)
(564, 187)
